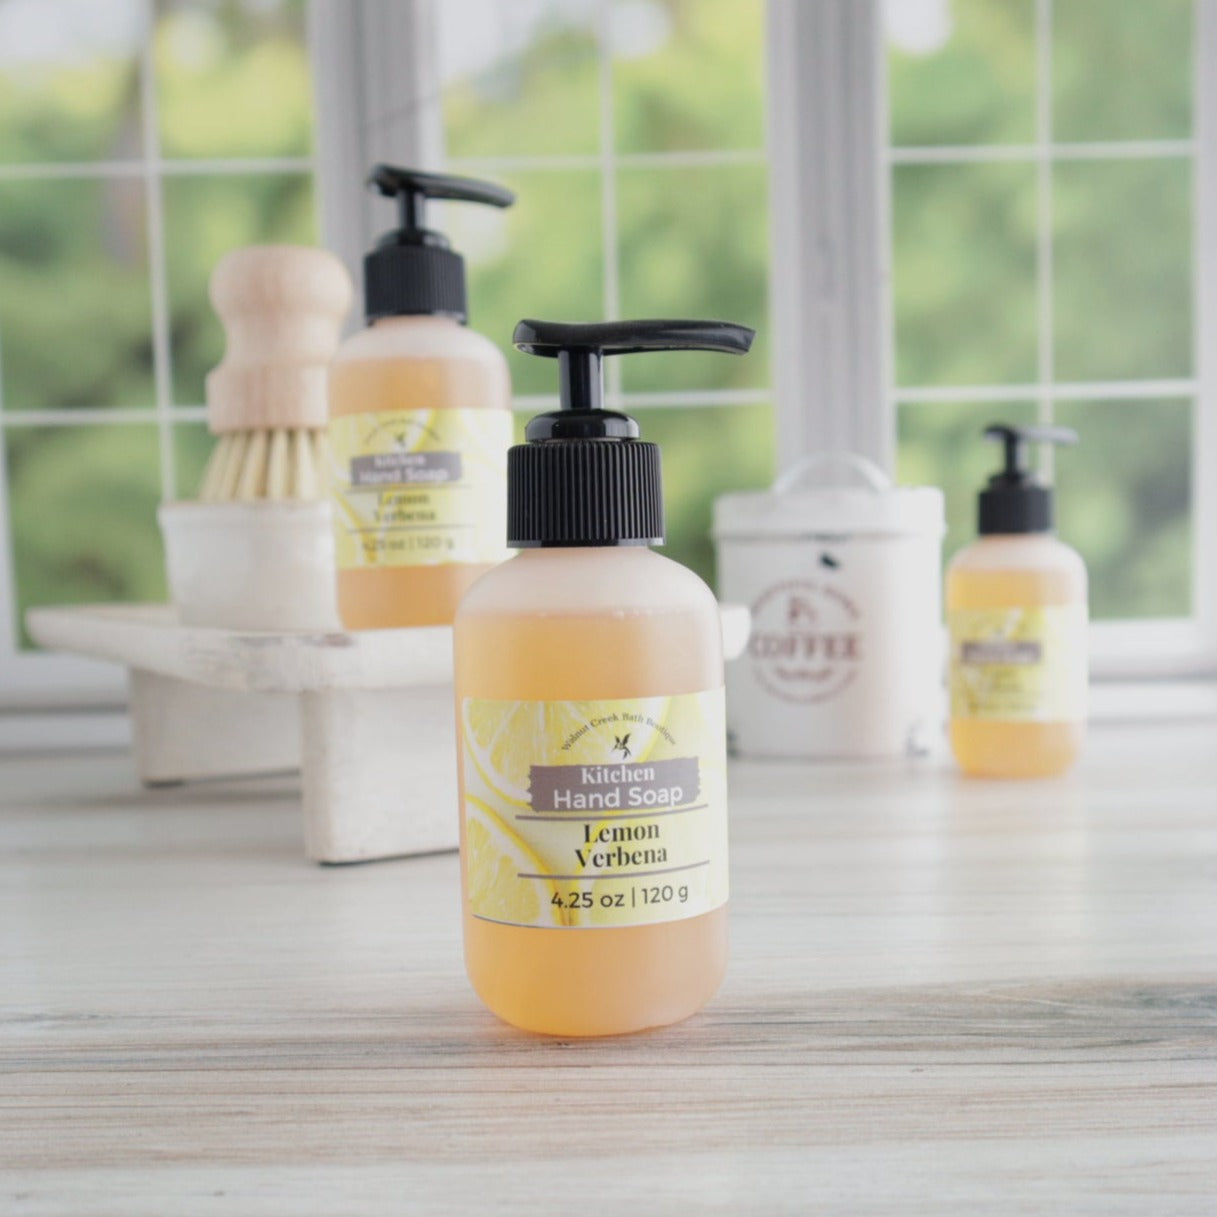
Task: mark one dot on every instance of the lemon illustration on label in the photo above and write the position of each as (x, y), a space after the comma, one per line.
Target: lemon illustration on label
(496, 857)
(505, 745)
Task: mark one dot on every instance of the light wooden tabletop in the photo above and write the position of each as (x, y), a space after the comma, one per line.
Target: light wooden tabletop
(945, 997)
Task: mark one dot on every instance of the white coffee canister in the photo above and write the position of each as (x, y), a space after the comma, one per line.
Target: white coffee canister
(842, 572)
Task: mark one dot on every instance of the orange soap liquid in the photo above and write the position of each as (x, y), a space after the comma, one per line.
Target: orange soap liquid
(987, 748)
(384, 597)
(602, 981)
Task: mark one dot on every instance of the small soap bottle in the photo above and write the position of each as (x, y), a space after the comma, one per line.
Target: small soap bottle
(1016, 609)
(420, 424)
(589, 698)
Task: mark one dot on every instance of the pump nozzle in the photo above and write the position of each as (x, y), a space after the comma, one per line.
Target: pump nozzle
(1017, 439)
(584, 477)
(412, 187)
(412, 270)
(579, 349)
(1015, 501)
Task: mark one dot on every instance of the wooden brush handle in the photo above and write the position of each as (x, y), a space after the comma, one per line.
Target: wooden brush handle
(282, 308)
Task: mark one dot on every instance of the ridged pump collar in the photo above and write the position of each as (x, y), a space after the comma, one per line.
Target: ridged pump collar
(583, 477)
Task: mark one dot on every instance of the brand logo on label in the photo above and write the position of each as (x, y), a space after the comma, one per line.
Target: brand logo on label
(806, 645)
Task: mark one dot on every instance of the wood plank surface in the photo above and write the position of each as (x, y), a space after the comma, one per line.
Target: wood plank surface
(945, 997)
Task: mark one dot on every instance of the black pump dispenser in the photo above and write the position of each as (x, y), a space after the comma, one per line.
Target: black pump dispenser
(1015, 500)
(584, 478)
(412, 268)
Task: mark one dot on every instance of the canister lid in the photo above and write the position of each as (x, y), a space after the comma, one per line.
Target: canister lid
(831, 494)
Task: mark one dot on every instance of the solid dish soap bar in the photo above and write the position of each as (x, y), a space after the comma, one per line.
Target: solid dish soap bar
(1016, 608)
(589, 687)
(420, 423)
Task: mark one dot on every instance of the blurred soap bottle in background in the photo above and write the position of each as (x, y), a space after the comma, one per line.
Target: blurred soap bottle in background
(1017, 612)
(420, 424)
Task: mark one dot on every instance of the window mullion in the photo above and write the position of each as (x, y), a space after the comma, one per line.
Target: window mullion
(8, 577)
(1045, 354)
(828, 229)
(1204, 435)
(162, 355)
(611, 253)
(376, 84)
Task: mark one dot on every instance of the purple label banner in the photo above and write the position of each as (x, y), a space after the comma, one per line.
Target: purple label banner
(405, 468)
(617, 785)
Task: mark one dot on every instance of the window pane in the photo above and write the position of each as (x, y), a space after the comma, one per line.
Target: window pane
(1124, 500)
(232, 79)
(69, 80)
(82, 502)
(666, 53)
(1122, 69)
(964, 274)
(75, 308)
(540, 258)
(961, 71)
(205, 217)
(1123, 269)
(695, 243)
(1123, 494)
(941, 444)
(707, 451)
(520, 79)
(192, 447)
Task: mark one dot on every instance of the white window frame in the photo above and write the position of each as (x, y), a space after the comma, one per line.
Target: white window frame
(374, 107)
(831, 282)
(378, 98)
(830, 275)
(36, 680)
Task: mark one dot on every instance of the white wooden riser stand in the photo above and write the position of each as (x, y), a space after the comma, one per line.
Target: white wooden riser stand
(368, 718)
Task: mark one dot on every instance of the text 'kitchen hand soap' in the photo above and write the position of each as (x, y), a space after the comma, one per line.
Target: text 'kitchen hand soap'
(1016, 608)
(589, 689)
(420, 424)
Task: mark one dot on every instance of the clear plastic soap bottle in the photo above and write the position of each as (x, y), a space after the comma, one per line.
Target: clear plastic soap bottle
(1016, 609)
(420, 424)
(589, 690)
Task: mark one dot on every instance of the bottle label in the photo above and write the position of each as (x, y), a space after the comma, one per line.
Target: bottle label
(419, 487)
(1019, 664)
(586, 814)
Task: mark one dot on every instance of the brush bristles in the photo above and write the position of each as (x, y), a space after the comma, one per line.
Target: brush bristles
(281, 464)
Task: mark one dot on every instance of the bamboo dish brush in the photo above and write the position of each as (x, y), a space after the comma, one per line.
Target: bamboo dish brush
(282, 307)
(280, 464)
(255, 551)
